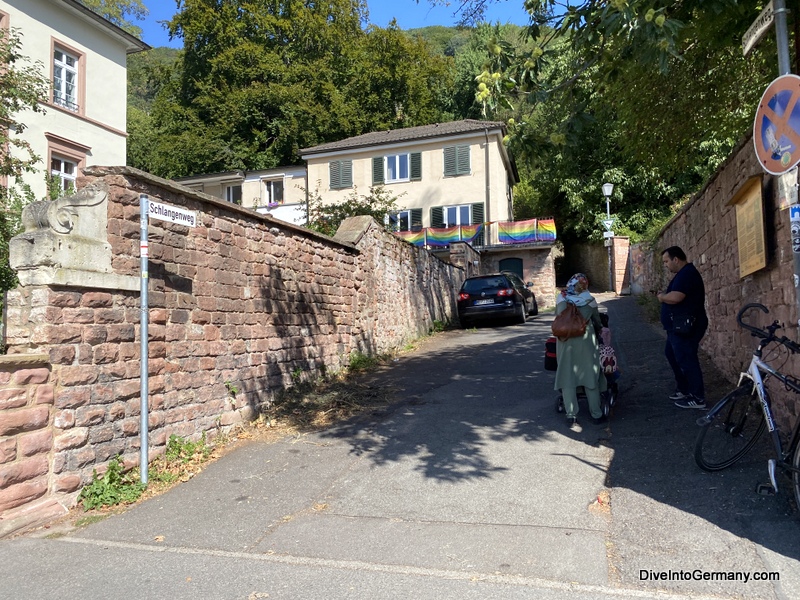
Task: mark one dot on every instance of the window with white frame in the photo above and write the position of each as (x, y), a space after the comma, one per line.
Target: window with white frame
(396, 168)
(405, 220)
(233, 193)
(457, 215)
(65, 79)
(273, 191)
(399, 221)
(65, 169)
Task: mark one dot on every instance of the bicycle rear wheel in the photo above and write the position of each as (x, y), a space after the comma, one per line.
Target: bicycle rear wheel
(732, 431)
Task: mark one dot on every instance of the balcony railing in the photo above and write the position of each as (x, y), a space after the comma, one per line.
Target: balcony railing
(492, 233)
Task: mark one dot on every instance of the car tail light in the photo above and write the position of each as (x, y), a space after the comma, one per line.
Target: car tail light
(463, 296)
(506, 292)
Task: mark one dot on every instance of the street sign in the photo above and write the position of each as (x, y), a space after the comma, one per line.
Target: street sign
(776, 130)
(607, 223)
(757, 30)
(608, 234)
(173, 214)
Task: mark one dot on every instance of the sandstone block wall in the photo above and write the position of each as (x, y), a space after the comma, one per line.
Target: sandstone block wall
(241, 300)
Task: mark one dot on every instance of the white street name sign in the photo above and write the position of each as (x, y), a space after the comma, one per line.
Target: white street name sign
(173, 214)
(757, 30)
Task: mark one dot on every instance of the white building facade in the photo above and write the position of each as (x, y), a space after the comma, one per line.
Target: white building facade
(84, 58)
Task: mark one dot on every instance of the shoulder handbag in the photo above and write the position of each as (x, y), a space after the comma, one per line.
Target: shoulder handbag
(569, 323)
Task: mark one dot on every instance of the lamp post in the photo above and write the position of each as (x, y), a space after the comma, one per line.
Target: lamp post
(608, 189)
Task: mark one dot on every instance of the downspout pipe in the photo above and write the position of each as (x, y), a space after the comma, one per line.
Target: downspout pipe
(487, 217)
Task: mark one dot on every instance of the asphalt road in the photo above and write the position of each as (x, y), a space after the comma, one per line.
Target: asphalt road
(469, 486)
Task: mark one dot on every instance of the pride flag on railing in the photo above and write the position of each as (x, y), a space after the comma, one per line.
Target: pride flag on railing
(412, 237)
(546, 230)
(443, 236)
(517, 232)
(470, 232)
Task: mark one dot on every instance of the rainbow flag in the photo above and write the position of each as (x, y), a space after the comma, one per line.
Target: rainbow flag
(546, 230)
(412, 237)
(470, 232)
(444, 236)
(518, 232)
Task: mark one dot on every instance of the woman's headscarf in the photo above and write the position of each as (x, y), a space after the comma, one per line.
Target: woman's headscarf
(577, 291)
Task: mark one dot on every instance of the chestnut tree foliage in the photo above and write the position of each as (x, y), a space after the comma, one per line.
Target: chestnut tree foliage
(651, 95)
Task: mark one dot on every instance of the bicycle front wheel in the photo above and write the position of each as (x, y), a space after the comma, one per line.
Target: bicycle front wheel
(796, 474)
(732, 432)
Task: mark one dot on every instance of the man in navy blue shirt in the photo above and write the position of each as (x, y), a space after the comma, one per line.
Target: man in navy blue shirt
(683, 315)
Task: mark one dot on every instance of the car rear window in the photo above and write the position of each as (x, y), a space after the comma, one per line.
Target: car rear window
(473, 286)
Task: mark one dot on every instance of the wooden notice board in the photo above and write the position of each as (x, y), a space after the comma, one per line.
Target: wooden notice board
(749, 205)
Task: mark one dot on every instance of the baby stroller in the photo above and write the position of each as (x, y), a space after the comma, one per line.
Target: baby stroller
(608, 362)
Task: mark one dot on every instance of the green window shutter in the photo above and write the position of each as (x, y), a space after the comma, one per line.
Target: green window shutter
(416, 219)
(377, 170)
(347, 174)
(450, 161)
(477, 217)
(334, 168)
(477, 213)
(437, 216)
(416, 166)
(341, 173)
(462, 160)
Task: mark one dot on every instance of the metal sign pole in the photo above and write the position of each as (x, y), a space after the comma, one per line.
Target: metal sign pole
(784, 68)
(782, 36)
(143, 335)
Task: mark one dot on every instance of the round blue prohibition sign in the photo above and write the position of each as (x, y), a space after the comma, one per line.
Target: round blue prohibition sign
(776, 130)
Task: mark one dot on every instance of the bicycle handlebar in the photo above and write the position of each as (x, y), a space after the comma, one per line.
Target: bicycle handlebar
(751, 328)
(769, 333)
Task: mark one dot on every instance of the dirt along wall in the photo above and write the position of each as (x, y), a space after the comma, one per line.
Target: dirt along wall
(238, 301)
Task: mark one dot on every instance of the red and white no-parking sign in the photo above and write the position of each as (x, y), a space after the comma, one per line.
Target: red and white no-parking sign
(776, 131)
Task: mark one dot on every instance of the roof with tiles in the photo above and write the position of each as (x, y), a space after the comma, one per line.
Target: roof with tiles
(392, 136)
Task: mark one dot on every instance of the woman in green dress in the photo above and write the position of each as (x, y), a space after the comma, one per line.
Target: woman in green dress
(579, 357)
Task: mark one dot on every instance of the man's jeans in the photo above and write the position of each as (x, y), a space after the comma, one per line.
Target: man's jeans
(681, 352)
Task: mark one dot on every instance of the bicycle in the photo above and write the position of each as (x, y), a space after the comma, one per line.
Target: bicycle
(733, 426)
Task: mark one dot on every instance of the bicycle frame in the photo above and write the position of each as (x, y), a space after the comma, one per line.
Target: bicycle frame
(753, 373)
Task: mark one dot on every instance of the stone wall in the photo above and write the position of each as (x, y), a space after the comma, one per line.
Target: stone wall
(240, 301)
(620, 264)
(706, 230)
(26, 441)
(538, 267)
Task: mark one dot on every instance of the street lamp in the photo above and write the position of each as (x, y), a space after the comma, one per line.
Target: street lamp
(608, 189)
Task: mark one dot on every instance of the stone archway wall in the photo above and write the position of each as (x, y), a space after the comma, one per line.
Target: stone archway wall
(241, 300)
(706, 230)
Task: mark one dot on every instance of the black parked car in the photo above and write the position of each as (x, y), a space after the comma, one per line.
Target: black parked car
(494, 297)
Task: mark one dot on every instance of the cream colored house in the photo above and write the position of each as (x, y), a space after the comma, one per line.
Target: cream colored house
(280, 192)
(84, 57)
(444, 174)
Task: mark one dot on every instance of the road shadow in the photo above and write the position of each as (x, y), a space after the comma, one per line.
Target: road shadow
(654, 444)
(466, 390)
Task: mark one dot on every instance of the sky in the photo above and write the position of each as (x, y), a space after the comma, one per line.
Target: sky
(409, 15)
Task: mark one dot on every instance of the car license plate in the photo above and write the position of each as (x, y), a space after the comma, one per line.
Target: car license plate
(487, 301)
